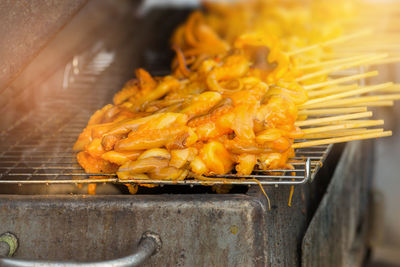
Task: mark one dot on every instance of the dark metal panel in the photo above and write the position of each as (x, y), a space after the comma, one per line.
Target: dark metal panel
(26, 26)
(200, 230)
(286, 225)
(338, 232)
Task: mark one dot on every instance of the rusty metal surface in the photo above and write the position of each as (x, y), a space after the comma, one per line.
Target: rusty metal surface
(28, 26)
(196, 229)
(286, 226)
(338, 233)
(200, 230)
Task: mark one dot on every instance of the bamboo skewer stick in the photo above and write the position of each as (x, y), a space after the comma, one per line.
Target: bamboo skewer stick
(330, 62)
(376, 104)
(393, 89)
(342, 128)
(392, 56)
(332, 90)
(360, 91)
(353, 101)
(344, 125)
(385, 61)
(329, 111)
(341, 139)
(333, 118)
(330, 42)
(356, 123)
(342, 133)
(390, 45)
(341, 80)
(380, 44)
(339, 54)
(371, 46)
(334, 133)
(341, 67)
(323, 129)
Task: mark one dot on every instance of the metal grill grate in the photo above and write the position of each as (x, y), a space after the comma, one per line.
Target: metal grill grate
(37, 149)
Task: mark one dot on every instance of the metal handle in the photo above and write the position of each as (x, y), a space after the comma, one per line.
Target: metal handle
(149, 244)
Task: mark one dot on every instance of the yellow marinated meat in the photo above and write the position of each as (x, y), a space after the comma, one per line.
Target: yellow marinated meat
(230, 103)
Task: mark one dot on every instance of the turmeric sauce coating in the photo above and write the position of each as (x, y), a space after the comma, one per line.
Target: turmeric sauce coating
(230, 104)
(227, 119)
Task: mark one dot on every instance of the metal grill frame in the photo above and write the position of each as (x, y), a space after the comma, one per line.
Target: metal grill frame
(45, 155)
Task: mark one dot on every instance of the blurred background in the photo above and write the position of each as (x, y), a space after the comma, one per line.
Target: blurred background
(386, 183)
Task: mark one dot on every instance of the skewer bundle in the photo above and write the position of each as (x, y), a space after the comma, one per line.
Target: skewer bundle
(238, 97)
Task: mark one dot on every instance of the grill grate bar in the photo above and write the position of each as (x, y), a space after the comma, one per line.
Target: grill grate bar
(159, 182)
(45, 174)
(47, 168)
(28, 156)
(227, 176)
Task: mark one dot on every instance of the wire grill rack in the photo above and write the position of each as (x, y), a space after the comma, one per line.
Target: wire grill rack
(37, 148)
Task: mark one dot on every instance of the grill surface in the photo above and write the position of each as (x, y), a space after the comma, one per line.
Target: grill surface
(37, 148)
